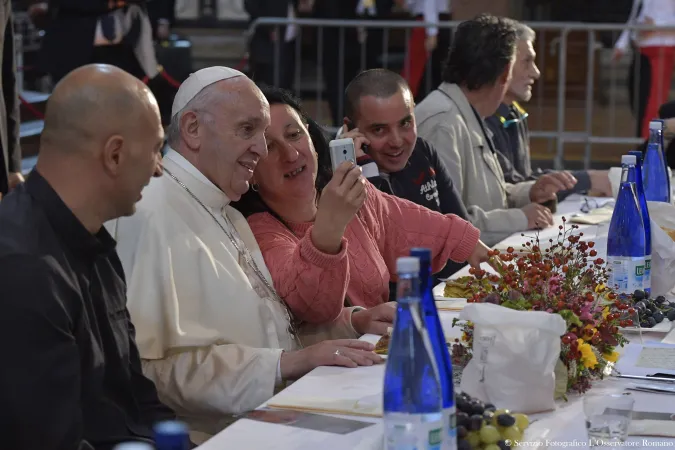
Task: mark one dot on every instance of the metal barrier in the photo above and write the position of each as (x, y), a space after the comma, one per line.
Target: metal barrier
(555, 53)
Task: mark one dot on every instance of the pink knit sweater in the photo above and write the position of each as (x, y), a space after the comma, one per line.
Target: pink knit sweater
(316, 285)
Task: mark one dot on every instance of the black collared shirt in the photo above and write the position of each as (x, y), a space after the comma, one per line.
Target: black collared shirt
(71, 375)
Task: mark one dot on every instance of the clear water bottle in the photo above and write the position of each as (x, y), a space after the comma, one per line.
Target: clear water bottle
(655, 178)
(172, 435)
(413, 407)
(635, 175)
(626, 237)
(439, 347)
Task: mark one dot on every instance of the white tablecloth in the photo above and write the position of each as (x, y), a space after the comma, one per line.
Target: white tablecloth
(562, 428)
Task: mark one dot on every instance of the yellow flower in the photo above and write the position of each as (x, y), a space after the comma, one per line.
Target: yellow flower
(600, 288)
(590, 327)
(465, 337)
(611, 357)
(588, 358)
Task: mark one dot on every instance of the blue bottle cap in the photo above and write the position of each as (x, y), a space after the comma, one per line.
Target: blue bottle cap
(424, 254)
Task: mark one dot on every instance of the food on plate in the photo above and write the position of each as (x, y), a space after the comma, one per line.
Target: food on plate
(483, 426)
(650, 312)
(382, 346)
(670, 232)
(461, 287)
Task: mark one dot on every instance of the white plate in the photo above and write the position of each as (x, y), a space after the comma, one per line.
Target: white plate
(663, 327)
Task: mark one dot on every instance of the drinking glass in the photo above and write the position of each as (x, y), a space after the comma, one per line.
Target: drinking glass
(607, 418)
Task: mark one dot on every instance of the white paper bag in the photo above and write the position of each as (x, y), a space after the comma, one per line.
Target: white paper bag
(663, 247)
(514, 357)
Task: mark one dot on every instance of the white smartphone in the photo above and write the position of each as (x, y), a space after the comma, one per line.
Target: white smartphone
(341, 150)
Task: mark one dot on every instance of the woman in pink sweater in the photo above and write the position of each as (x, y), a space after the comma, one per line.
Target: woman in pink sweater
(331, 240)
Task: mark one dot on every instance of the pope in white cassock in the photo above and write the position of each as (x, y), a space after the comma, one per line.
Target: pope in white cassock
(212, 333)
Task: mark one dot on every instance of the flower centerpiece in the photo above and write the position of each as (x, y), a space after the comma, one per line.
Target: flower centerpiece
(566, 278)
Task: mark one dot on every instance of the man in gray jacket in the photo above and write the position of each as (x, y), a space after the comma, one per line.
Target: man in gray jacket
(451, 118)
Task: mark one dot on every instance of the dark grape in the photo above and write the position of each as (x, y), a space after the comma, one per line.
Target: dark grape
(640, 306)
(475, 422)
(503, 445)
(462, 419)
(644, 324)
(652, 307)
(652, 321)
(490, 407)
(477, 407)
(660, 300)
(647, 312)
(463, 444)
(463, 405)
(658, 317)
(462, 432)
(671, 315)
(638, 294)
(505, 420)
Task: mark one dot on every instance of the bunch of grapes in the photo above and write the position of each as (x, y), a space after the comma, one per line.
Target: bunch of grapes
(483, 426)
(650, 311)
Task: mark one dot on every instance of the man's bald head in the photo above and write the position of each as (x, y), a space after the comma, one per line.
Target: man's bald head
(93, 103)
(102, 138)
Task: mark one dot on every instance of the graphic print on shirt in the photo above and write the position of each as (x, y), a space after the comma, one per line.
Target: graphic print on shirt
(429, 190)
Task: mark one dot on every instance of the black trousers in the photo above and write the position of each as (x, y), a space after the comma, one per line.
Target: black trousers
(639, 85)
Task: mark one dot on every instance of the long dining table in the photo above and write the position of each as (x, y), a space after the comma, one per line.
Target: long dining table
(356, 394)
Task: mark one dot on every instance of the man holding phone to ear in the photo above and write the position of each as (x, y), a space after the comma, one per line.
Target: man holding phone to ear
(380, 113)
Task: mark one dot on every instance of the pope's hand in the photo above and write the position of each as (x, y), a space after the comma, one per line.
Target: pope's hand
(479, 255)
(375, 320)
(342, 352)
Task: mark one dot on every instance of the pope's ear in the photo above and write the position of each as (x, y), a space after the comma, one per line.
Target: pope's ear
(189, 129)
(113, 154)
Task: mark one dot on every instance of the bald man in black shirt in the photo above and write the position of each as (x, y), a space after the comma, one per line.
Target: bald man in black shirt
(71, 376)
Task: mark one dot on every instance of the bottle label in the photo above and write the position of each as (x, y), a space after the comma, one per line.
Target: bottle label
(647, 279)
(626, 273)
(450, 426)
(413, 431)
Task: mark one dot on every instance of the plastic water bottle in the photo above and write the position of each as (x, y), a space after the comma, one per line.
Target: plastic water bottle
(413, 407)
(439, 347)
(626, 237)
(654, 172)
(635, 175)
(172, 435)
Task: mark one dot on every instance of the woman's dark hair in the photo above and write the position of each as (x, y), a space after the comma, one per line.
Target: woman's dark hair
(251, 202)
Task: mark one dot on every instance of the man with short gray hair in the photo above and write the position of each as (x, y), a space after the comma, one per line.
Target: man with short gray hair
(511, 133)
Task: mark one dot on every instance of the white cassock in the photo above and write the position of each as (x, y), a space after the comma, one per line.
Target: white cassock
(209, 332)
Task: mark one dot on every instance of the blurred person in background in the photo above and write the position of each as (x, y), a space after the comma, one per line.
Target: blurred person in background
(272, 48)
(424, 44)
(10, 164)
(452, 119)
(656, 60)
(510, 130)
(119, 33)
(342, 48)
